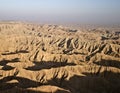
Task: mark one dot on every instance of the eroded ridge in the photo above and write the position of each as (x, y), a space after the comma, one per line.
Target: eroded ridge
(55, 59)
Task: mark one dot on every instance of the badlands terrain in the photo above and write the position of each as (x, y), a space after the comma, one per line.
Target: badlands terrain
(55, 59)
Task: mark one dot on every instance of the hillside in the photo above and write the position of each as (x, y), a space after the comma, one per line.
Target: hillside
(55, 59)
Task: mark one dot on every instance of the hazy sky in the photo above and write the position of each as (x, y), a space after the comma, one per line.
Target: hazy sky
(61, 11)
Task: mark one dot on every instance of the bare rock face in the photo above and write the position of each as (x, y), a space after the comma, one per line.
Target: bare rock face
(55, 59)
